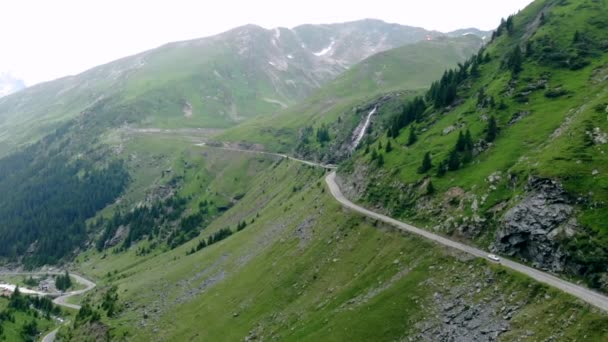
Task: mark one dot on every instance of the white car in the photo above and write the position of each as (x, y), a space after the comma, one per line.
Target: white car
(493, 257)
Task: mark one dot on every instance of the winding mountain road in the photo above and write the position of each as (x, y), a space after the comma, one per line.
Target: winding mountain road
(594, 298)
(62, 299)
(583, 293)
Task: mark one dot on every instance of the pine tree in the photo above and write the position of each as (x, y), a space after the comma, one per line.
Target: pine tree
(492, 130)
(430, 189)
(510, 25)
(442, 168)
(389, 147)
(529, 48)
(487, 58)
(380, 159)
(453, 161)
(374, 155)
(366, 151)
(542, 18)
(481, 98)
(515, 61)
(460, 143)
(475, 69)
(323, 134)
(412, 138)
(426, 163)
(468, 141)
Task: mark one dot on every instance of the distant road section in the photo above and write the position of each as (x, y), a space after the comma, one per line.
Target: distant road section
(62, 299)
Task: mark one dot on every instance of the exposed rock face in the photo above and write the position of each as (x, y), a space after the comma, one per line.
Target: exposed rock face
(458, 317)
(532, 228)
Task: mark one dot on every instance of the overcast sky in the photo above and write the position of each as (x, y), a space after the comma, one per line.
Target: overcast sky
(42, 39)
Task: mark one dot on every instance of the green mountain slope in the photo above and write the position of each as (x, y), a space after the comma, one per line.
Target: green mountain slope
(406, 70)
(251, 246)
(516, 143)
(148, 90)
(210, 82)
(304, 269)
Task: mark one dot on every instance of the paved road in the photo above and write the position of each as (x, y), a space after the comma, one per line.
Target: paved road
(587, 295)
(583, 293)
(50, 337)
(280, 155)
(61, 300)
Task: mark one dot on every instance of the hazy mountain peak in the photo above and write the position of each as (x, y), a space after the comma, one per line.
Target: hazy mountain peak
(9, 84)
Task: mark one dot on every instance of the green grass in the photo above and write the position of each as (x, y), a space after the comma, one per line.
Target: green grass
(293, 275)
(12, 330)
(550, 142)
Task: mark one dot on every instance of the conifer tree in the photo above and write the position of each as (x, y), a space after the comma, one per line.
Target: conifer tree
(510, 25)
(468, 141)
(426, 163)
(412, 138)
(374, 155)
(492, 130)
(430, 189)
(380, 159)
(515, 61)
(388, 147)
(460, 143)
(453, 161)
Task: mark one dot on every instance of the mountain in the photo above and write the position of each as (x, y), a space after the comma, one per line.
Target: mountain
(402, 72)
(211, 82)
(85, 154)
(172, 220)
(507, 151)
(10, 84)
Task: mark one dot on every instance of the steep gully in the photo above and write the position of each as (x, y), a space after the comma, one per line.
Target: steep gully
(594, 298)
(360, 131)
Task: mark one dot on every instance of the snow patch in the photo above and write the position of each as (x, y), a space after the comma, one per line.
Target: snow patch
(326, 50)
(290, 56)
(277, 33)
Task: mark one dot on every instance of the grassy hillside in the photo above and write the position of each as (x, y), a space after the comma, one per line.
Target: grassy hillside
(27, 319)
(209, 82)
(405, 71)
(303, 269)
(529, 179)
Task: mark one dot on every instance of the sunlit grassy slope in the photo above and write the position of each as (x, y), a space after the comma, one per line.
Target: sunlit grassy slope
(550, 131)
(305, 269)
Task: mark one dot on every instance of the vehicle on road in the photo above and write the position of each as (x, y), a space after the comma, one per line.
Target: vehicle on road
(493, 257)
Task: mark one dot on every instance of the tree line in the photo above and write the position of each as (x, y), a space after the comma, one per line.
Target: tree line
(47, 199)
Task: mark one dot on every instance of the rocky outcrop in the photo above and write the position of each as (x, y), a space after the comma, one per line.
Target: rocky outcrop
(532, 229)
(458, 316)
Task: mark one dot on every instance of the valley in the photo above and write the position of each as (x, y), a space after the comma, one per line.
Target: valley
(352, 181)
